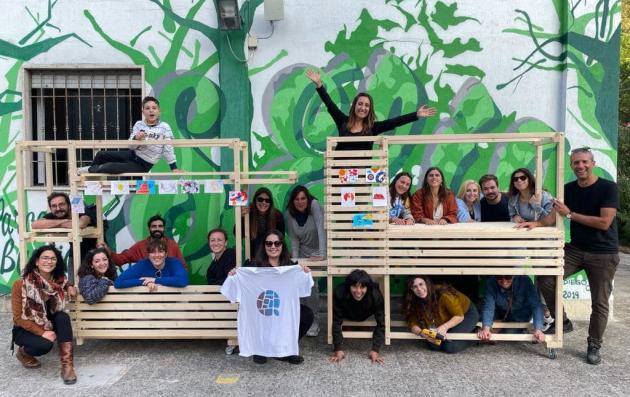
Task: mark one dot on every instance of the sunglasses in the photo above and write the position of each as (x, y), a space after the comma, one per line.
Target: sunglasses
(273, 243)
(519, 178)
(263, 200)
(506, 278)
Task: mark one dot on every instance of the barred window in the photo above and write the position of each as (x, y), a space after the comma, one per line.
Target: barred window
(83, 103)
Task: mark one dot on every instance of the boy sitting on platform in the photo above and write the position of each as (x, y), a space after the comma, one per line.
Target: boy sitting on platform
(157, 270)
(142, 157)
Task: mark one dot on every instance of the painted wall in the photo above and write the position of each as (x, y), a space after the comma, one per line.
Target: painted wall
(497, 66)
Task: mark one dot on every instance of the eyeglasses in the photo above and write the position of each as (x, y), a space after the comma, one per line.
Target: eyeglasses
(273, 243)
(506, 278)
(263, 200)
(158, 273)
(519, 178)
(48, 258)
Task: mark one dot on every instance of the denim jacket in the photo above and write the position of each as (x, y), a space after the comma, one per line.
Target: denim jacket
(525, 302)
(536, 211)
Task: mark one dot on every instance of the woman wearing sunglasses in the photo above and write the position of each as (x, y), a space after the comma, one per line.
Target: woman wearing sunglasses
(263, 216)
(158, 269)
(514, 299)
(439, 308)
(39, 319)
(273, 253)
(524, 205)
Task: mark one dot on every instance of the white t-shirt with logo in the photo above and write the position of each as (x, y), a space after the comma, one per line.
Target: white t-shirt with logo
(269, 310)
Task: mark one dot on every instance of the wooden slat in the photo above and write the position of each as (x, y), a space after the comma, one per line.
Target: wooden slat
(468, 243)
(156, 306)
(135, 315)
(357, 163)
(191, 289)
(552, 271)
(476, 262)
(163, 298)
(479, 253)
(370, 243)
(158, 334)
(157, 324)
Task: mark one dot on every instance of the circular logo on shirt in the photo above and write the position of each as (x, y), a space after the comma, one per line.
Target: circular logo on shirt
(268, 303)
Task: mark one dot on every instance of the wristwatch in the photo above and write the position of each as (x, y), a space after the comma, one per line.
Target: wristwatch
(569, 215)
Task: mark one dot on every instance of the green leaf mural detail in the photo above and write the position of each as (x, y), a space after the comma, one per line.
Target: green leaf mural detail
(444, 15)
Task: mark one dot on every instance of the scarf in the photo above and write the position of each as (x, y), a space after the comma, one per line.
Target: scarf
(40, 296)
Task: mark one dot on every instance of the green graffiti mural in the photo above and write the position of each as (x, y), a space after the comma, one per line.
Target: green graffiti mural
(183, 54)
(28, 47)
(590, 44)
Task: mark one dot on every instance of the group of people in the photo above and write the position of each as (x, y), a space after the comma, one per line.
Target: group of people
(431, 307)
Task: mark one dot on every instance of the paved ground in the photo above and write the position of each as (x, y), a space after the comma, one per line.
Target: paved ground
(155, 368)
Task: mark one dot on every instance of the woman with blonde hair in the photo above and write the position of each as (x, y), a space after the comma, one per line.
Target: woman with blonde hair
(468, 204)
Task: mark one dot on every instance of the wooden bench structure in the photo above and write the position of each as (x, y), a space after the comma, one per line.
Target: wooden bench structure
(193, 312)
(386, 250)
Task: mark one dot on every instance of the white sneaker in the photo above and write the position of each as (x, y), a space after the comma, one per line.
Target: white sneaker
(547, 321)
(313, 331)
(83, 170)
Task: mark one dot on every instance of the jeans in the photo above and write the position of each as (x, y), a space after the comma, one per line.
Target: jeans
(35, 345)
(600, 270)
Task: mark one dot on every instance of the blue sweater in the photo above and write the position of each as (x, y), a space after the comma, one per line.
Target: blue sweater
(173, 274)
(525, 302)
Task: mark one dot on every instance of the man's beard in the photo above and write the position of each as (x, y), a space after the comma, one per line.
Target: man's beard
(157, 234)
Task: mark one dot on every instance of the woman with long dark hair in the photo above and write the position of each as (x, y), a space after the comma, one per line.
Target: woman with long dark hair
(357, 299)
(434, 203)
(96, 274)
(273, 253)
(305, 228)
(524, 205)
(440, 308)
(399, 199)
(263, 216)
(361, 121)
(38, 301)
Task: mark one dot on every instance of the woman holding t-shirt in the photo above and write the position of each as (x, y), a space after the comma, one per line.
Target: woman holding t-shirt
(272, 253)
(362, 120)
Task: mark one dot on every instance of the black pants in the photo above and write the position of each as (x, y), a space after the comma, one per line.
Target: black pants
(306, 320)
(118, 162)
(35, 345)
(471, 317)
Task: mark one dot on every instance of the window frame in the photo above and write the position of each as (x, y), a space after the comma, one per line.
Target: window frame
(27, 133)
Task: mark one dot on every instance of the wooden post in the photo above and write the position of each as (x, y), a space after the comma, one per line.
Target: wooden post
(49, 173)
(245, 220)
(236, 158)
(21, 207)
(540, 178)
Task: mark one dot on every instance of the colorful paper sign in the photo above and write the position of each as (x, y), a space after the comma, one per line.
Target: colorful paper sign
(348, 175)
(77, 204)
(119, 187)
(362, 220)
(93, 188)
(347, 197)
(213, 186)
(236, 198)
(145, 187)
(375, 175)
(191, 187)
(379, 196)
(167, 187)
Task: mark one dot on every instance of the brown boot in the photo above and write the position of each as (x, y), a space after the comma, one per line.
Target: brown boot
(67, 368)
(26, 360)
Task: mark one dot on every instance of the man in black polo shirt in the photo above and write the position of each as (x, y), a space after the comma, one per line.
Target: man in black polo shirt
(591, 205)
(494, 204)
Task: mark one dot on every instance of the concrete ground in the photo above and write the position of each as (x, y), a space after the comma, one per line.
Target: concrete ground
(156, 368)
